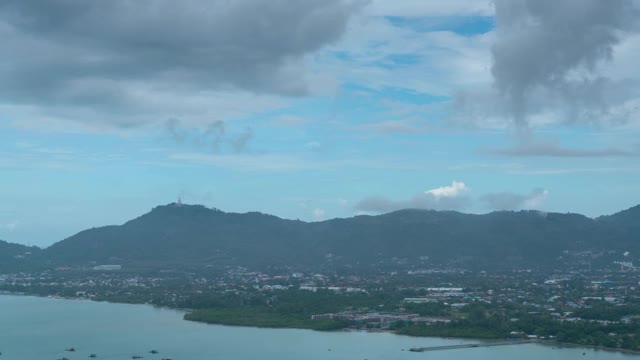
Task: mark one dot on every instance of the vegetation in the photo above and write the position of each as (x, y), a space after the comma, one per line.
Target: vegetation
(246, 306)
(288, 309)
(194, 235)
(261, 317)
(485, 322)
(602, 310)
(16, 257)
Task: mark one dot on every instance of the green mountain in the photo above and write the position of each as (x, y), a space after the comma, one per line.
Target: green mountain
(626, 220)
(16, 256)
(193, 235)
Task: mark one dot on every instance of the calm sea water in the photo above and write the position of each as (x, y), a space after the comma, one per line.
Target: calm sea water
(34, 328)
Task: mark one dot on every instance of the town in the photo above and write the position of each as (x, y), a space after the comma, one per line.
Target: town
(445, 301)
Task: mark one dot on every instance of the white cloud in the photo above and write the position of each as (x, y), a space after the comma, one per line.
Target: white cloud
(313, 145)
(318, 214)
(457, 188)
(536, 199)
(440, 61)
(442, 198)
(9, 226)
(514, 201)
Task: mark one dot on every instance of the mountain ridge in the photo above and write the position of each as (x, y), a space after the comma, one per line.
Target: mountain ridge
(196, 235)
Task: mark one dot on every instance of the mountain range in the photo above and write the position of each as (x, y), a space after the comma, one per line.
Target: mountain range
(193, 235)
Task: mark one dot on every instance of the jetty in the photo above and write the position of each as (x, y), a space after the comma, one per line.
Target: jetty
(476, 345)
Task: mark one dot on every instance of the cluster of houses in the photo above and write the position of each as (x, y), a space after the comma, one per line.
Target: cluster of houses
(374, 319)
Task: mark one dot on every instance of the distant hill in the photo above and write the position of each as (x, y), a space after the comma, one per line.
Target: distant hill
(175, 235)
(626, 220)
(16, 256)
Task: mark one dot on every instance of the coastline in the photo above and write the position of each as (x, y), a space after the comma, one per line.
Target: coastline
(595, 347)
(552, 343)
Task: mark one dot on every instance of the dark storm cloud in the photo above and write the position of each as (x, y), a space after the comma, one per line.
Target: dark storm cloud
(513, 201)
(557, 46)
(547, 60)
(99, 53)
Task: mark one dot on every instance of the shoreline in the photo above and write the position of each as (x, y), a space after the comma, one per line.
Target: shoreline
(544, 342)
(594, 347)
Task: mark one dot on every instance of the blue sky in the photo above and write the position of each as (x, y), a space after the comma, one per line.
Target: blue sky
(400, 108)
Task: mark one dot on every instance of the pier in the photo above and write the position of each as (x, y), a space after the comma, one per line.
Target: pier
(477, 345)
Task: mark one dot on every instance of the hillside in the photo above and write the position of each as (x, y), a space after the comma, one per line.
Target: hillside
(186, 234)
(195, 235)
(16, 256)
(626, 220)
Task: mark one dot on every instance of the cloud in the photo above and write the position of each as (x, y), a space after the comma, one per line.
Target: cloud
(313, 145)
(214, 137)
(240, 142)
(552, 63)
(125, 57)
(555, 46)
(442, 198)
(454, 190)
(513, 201)
(372, 51)
(318, 214)
(554, 149)
(9, 226)
(421, 8)
(563, 171)
(177, 134)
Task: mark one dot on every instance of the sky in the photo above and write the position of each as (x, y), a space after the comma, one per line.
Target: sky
(314, 110)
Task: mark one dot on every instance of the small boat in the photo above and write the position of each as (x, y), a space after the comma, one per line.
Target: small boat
(70, 349)
(136, 357)
(153, 352)
(93, 356)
